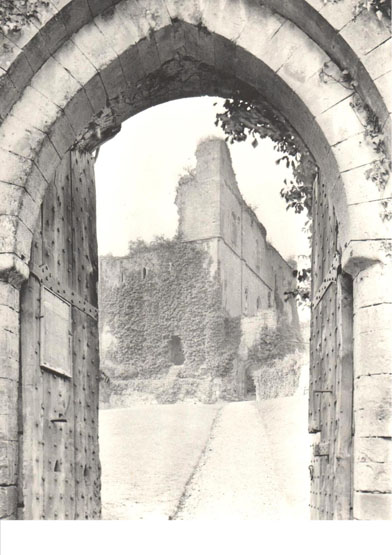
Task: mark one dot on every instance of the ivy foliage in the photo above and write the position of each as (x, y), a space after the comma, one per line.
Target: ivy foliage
(273, 345)
(15, 14)
(176, 297)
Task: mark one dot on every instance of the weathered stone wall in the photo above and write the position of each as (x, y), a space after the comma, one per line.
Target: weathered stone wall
(88, 66)
(211, 208)
(159, 292)
(162, 291)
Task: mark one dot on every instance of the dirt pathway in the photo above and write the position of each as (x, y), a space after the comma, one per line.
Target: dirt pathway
(241, 460)
(237, 475)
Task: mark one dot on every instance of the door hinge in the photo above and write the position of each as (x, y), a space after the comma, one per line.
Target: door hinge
(321, 449)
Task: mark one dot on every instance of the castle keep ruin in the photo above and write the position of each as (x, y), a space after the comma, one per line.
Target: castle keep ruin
(178, 317)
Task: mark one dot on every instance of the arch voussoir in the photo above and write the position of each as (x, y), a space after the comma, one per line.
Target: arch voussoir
(113, 58)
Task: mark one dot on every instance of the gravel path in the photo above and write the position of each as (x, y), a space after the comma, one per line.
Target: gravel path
(243, 460)
(237, 476)
(147, 455)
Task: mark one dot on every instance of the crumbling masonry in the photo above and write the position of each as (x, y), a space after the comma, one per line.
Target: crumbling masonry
(178, 317)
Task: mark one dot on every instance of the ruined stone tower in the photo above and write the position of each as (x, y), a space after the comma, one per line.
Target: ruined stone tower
(179, 317)
(253, 274)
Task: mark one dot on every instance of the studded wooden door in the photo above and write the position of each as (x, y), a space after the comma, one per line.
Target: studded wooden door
(59, 473)
(331, 370)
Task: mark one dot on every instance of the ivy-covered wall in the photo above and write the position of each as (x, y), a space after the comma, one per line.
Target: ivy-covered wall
(163, 290)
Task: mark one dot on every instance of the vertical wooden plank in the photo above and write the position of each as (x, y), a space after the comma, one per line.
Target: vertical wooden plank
(56, 404)
(91, 247)
(32, 459)
(85, 278)
(48, 224)
(344, 407)
(80, 418)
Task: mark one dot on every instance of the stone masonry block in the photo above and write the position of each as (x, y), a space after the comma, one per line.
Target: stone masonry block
(338, 14)
(172, 39)
(15, 137)
(373, 450)
(15, 237)
(365, 33)
(189, 11)
(98, 6)
(373, 352)
(8, 410)
(148, 54)
(9, 296)
(340, 122)
(372, 506)
(96, 93)
(9, 355)
(55, 83)
(354, 152)
(9, 319)
(225, 55)
(371, 212)
(369, 476)
(384, 85)
(61, 135)
(378, 61)
(303, 64)
(8, 501)
(226, 21)
(8, 421)
(8, 461)
(22, 172)
(11, 197)
(250, 70)
(47, 160)
(8, 94)
(79, 112)
(373, 318)
(379, 278)
(206, 47)
(360, 189)
(121, 28)
(113, 79)
(284, 43)
(95, 46)
(18, 203)
(260, 26)
(9, 51)
(54, 32)
(75, 14)
(75, 62)
(44, 114)
(372, 406)
(36, 52)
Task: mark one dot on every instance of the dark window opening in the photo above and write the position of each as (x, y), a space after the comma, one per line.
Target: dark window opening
(258, 303)
(246, 301)
(144, 273)
(176, 351)
(269, 299)
(233, 229)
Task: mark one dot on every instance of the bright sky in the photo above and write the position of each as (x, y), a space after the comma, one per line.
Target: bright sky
(138, 170)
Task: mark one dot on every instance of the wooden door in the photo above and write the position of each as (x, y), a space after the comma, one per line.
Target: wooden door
(59, 472)
(331, 370)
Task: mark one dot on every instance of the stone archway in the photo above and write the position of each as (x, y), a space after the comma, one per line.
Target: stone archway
(90, 64)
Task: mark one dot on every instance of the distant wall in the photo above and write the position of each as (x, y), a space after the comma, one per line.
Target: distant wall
(164, 291)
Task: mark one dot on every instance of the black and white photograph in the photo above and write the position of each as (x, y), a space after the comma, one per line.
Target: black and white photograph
(195, 262)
